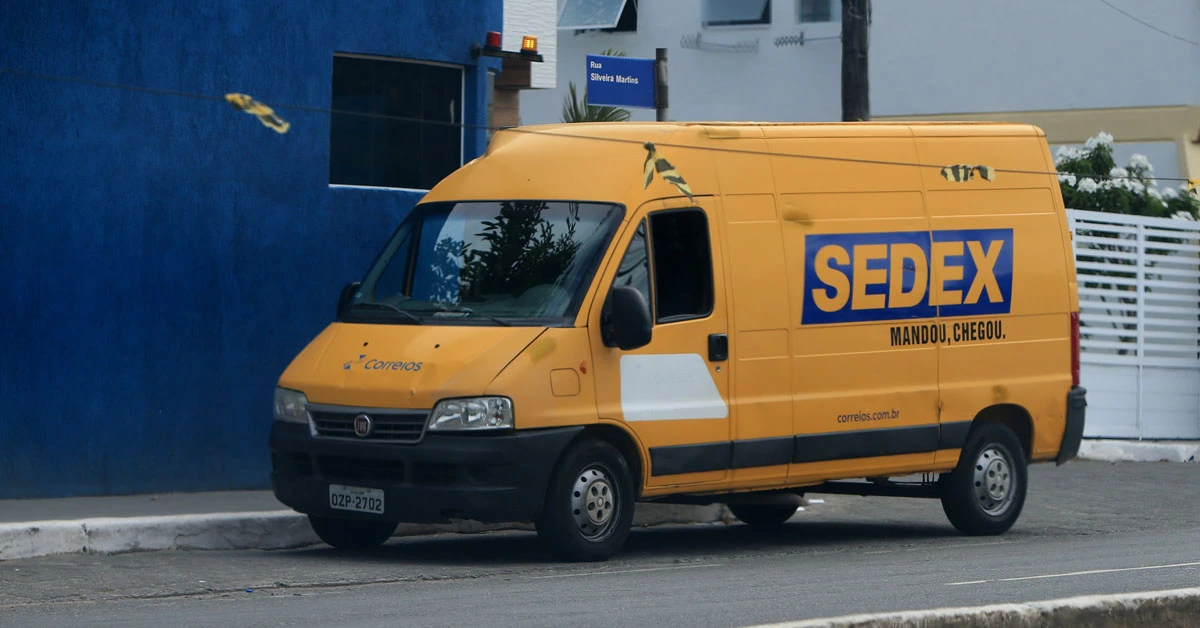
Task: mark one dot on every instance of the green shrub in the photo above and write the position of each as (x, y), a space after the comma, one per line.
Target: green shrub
(1091, 180)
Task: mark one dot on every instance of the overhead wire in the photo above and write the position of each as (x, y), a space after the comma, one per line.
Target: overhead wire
(536, 131)
(1148, 24)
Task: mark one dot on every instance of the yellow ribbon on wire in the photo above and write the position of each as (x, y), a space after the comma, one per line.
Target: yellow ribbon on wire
(265, 114)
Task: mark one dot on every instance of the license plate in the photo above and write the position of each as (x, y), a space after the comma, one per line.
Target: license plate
(356, 498)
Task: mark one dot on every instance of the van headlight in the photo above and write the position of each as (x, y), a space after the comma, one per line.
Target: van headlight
(473, 413)
(291, 406)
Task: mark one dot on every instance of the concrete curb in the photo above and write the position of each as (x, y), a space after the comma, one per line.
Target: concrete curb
(113, 535)
(1179, 607)
(1139, 450)
(278, 529)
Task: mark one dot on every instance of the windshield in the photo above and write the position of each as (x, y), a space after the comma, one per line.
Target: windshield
(488, 262)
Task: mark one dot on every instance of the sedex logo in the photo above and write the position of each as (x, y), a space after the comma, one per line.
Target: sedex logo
(856, 277)
(373, 364)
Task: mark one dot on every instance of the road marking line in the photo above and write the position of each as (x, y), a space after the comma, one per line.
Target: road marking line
(605, 573)
(926, 548)
(1074, 573)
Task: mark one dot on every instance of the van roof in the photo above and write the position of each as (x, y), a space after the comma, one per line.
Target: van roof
(793, 129)
(603, 161)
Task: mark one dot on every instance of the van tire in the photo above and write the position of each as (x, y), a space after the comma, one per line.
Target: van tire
(352, 533)
(763, 514)
(984, 494)
(588, 509)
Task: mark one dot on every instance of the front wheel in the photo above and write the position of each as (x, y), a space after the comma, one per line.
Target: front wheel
(352, 533)
(589, 505)
(986, 491)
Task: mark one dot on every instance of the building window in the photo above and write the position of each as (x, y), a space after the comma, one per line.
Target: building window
(612, 16)
(736, 12)
(818, 11)
(396, 124)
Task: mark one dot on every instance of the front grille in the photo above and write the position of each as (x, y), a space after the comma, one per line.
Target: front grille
(435, 473)
(289, 463)
(393, 426)
(338, 468)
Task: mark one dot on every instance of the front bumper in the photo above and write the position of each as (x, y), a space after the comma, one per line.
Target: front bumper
(1073, 432)
(486, 477)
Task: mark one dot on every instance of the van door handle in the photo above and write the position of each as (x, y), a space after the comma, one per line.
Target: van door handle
(718, 347)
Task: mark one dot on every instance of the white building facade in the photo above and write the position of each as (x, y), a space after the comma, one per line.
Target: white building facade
(1074, 67)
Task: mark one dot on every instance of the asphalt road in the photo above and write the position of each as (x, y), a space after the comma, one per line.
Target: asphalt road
(1088, 528)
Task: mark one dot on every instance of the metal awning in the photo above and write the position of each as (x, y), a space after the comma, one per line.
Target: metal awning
(585, 14)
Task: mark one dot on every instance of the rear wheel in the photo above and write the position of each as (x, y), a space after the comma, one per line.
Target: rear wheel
(763, 514)
(986, 491)
(589, 504)
(352, 533)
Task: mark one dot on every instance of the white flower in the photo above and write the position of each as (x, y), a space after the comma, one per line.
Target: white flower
(1087, 185)
(1101, 139)
(1066, 177)
(1153, 193)
(1118, 172)
(1170, 193)
(1138, 160)
(1182, 215)
(1065, 153)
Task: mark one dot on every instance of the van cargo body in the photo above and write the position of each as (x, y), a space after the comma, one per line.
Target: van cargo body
(592, 315)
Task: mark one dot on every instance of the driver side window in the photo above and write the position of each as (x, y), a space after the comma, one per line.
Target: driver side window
(679, 284)
(635, 266)
(683, 274)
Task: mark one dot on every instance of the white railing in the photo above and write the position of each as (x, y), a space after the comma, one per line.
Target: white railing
(1139, 303)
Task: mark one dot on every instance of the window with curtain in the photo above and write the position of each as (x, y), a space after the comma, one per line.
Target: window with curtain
(819, 11)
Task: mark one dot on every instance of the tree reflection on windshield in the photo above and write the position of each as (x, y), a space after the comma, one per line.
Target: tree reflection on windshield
(522, 259)
(522, 251)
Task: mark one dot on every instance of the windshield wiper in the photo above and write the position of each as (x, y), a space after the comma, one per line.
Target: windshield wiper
(409, 315)
(469, 312)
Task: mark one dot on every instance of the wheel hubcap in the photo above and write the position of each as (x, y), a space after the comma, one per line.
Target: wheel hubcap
(994, 481)
(594, 503)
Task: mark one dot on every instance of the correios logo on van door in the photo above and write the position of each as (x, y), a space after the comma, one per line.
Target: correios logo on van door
(374, 364)
(854, 277)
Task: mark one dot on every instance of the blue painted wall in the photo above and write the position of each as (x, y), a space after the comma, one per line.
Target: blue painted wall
(163, 256)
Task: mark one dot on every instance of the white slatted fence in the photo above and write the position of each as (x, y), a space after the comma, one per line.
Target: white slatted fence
(1139, 302)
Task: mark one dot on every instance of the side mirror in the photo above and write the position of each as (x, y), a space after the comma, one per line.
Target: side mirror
(344, 299)
(626, 322)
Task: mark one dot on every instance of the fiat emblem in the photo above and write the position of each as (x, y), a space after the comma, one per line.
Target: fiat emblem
(362, 426)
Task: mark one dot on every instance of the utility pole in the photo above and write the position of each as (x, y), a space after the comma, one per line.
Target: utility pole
(856, 103)
(660, 84)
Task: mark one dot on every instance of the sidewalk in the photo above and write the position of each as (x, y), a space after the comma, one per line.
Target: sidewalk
(1139, 450)
(256, 520)
(212, 520)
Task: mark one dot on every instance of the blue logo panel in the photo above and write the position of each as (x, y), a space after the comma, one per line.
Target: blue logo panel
(986, 263)
(858, 277)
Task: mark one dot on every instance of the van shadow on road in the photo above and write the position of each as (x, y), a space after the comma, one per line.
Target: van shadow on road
(1080, 499)
(672, 542)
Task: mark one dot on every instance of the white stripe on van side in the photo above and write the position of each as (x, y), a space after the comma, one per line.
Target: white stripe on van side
(668, 387)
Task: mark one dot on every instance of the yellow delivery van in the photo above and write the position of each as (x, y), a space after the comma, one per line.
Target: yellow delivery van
(593, 315)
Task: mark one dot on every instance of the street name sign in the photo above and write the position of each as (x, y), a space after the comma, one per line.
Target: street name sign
(620, 81)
